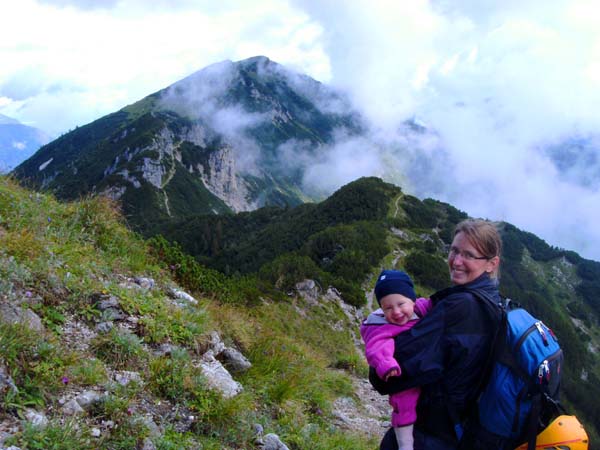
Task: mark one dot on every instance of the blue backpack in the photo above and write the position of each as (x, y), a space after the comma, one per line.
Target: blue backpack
(520, 396)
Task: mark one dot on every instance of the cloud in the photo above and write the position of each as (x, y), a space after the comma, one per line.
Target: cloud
(497, 85)
(115, 53)
(82, 4)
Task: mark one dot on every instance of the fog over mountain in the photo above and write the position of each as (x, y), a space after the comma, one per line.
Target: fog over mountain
(502, 89)
(506, 92)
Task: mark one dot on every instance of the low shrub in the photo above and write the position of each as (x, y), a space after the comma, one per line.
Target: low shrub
(120, 349)
(428, 270)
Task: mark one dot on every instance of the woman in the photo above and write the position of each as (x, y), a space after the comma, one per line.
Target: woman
(446, 353)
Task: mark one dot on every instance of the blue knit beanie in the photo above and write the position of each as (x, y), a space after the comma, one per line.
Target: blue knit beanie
(394, 282)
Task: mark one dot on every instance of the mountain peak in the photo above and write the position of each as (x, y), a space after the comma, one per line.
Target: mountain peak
(259, 59)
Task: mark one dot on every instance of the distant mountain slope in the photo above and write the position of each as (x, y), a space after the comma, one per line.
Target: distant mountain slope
(245, 241)
(17, 142)
(218, 141)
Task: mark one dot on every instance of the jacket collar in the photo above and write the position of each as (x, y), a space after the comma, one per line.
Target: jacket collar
(483, 282)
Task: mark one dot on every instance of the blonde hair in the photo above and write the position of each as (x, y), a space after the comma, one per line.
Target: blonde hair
(484, 236)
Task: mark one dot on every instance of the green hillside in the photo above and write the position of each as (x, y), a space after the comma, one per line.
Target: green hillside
(61, 261)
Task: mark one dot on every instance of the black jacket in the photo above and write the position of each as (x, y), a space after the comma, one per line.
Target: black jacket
(446, 353)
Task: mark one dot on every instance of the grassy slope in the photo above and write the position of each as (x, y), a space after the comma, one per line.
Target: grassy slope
(64, 254)
(55, 258)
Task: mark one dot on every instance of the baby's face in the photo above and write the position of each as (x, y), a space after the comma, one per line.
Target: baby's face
(397, 308)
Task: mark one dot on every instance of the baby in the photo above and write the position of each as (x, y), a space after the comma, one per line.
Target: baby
(399, 311)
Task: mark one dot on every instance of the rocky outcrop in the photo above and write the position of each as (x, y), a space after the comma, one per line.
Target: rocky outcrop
(223, 180)
(215, 363)
(218, 377)
(14, 314)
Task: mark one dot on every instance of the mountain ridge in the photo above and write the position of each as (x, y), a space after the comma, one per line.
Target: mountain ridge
(219, 134)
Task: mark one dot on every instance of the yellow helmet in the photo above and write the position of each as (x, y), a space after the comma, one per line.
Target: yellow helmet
(563, 433)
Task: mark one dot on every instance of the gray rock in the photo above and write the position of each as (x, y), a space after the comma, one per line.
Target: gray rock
(111, 314)
(107, 302)
(6, 381)
(72, 408)
(109, 306)
(36, 418)
(87, 399)
(153, 429)
(333, 294)
(258, 429)
(272, 442)
(166, 349)
(181, 295)
(309, 291)
(104, 327)
(3, 437)
(125, 377)
(146, 283)
(234, 360)
(215, 344)
(218, 377)
(148, 445)
(13, 314)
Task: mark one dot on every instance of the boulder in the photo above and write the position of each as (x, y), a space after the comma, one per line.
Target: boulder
(72, 408)
(186, 298)
(145, 283)
(36, 418)
(87, 399)
(234, 360)
(13, 314)
(272, 442)
(309, 290)
(218, 377)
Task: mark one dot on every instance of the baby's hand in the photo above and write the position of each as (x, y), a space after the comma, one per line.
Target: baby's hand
(392, 373)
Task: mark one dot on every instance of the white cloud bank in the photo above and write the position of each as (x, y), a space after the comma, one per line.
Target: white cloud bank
(500, 82)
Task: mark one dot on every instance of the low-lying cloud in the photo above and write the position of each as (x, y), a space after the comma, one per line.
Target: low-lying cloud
(501, 91)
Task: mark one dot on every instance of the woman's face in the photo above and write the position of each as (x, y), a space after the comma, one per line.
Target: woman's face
(466, 263)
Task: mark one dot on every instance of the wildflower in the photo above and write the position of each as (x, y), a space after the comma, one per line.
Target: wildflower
(65, 380)
(28, 294)
(129, 411)
(49, 219)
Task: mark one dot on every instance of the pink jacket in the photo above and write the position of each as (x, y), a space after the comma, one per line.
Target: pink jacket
(378, 335)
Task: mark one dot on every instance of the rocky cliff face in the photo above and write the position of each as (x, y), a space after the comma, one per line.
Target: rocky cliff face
(158, 162)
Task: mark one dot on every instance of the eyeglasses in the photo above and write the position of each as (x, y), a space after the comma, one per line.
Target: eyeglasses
(465, 254)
